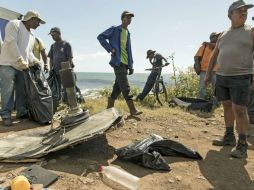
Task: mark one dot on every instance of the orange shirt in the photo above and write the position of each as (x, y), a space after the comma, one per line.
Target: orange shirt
(208, 52)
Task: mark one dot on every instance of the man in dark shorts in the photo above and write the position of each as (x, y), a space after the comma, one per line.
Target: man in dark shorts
(233, 54)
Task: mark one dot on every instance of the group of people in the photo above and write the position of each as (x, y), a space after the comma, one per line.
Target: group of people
(21, 50)
(227, 61)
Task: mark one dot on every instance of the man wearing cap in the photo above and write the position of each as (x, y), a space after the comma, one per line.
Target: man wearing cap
(156, 60)
(202, 58)
(60, 51)
(116, 40)
(233, 54)
(16, 56)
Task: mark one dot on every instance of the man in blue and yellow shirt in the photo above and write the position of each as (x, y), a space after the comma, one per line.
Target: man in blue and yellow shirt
(116, 40)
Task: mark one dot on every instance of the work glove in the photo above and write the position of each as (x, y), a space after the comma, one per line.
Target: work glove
(131, 71)
(35, 62)
(22, 64)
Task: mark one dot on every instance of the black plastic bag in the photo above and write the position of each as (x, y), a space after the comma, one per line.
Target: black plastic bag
(172, 148)
(134, 151)
(38, 93)
(192, 103)
(149, 152)
(55, 89)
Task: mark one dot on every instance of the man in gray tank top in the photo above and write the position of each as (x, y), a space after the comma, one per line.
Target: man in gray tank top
(233, 55)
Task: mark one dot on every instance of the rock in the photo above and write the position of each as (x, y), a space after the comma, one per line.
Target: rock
(89, 180)
(2, 180)
(205, 131)
(171, 181)
(125, 132)
(134, 124)
(201, 177)
(178, 178)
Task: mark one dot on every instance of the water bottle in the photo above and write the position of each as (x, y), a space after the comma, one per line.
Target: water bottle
(121, 177)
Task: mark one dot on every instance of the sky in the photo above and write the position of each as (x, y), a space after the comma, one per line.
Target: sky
(166, 26)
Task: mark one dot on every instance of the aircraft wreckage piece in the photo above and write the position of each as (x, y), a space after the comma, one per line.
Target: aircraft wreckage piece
(21, 148)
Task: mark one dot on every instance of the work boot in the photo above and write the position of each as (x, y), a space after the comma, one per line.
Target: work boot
(240, 150)
(227, 140)
(133, 110)
(111, 103)
(7, 122)
(251, 118)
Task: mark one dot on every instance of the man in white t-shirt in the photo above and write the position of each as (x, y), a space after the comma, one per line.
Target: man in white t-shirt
(16, 56)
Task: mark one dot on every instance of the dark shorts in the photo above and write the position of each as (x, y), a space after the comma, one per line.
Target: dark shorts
(234, 88)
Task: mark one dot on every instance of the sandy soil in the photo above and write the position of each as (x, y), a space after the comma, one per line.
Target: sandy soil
(78, 165)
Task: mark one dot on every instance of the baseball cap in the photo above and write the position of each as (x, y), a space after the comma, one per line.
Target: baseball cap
(238, 4)
(214, 34)
(55, 29)
(126, 13)
(33, 14)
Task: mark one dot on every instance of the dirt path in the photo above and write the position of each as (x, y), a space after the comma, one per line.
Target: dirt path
(78, 166)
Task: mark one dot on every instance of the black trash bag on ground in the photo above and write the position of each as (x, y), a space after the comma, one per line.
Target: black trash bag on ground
(55, 89)
(134, 152)
(192, 103)
(38, 94)
(149, 152)
(173, 148)
(155, 161)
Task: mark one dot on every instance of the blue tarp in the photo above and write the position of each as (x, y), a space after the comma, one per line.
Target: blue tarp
(3, 23)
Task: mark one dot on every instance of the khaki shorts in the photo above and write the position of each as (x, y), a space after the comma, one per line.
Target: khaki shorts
(234, 88)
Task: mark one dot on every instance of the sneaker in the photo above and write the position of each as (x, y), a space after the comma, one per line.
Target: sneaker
(227, 140)
(7, 122)
(240, 150)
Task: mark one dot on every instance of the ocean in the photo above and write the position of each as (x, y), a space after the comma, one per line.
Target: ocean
(91, 82)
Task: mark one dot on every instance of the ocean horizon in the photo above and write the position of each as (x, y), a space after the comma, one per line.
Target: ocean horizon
(93, 81)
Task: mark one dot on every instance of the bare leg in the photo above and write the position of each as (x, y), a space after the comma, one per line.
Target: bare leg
(241, 118)
(229, 116)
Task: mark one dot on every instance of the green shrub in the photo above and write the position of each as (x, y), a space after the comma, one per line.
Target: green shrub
(187, 85)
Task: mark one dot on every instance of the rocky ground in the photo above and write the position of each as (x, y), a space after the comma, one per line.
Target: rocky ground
(78, 165)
